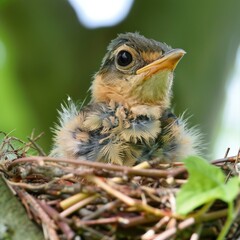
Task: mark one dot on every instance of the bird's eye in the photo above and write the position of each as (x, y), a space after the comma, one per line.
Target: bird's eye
(124, 58)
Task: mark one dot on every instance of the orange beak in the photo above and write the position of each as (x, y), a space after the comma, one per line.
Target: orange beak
(167, 61)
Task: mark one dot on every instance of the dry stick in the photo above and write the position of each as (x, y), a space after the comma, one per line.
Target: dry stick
(153, 196)
(78, 205)
(165, 235)
(38, 211)
(38, 186)
(138, 220)
(97, 234)
(128, 200)
(99, 182)
(226, 153)
(153, 173)
(150, 233)
(125, 222)
(27, 146)
(186, 223)
(38, 148)
(189, 222)
(222, 160)
(100, 221)
(236, 161)
(7, 142)
(162, 222)
(30, 186)
(27, 206)
(55, 215)
(102, 209)
(68, 202)
(172, 231)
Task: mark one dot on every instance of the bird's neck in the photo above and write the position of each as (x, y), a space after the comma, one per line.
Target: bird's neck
(140, 97)
(155, 90)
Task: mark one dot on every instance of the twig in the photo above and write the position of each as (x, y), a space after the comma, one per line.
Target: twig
(102, 209)
(151, 232)
(100, 221)
(38, 148)
(226, 153)
(222, 160)
(61, 224)
(78, 205)
(153, 173)
(172, 231)
(68, 202)
(38, 211)
(96, 234)
(166, 234)
(128, 200)
(236, 161)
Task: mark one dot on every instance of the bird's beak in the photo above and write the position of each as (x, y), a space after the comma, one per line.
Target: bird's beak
(167, 61)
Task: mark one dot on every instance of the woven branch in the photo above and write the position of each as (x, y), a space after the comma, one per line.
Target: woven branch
(70, 198)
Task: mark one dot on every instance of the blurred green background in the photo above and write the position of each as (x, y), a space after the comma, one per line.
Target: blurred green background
(46, 53)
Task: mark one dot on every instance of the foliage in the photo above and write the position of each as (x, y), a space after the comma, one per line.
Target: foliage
(206, 184)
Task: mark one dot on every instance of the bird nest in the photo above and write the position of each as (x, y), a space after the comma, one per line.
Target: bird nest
(77, 199)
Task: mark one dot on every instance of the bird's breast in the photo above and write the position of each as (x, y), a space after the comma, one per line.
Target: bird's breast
(112, 133)
(115, 134)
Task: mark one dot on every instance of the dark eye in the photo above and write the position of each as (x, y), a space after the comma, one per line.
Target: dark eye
(124, 58)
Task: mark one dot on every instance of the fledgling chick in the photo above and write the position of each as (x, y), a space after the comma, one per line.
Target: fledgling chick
(128, 119)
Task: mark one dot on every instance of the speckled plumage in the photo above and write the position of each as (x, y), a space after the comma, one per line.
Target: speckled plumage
(128, 119)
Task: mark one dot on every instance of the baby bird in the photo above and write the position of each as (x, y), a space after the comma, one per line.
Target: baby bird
(128, 119)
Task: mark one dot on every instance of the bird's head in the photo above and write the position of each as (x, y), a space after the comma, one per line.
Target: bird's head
(136, 71)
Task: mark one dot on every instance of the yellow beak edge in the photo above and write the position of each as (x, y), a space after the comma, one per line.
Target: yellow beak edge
(167, 61)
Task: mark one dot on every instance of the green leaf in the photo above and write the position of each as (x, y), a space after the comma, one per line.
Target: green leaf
(206, 183)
